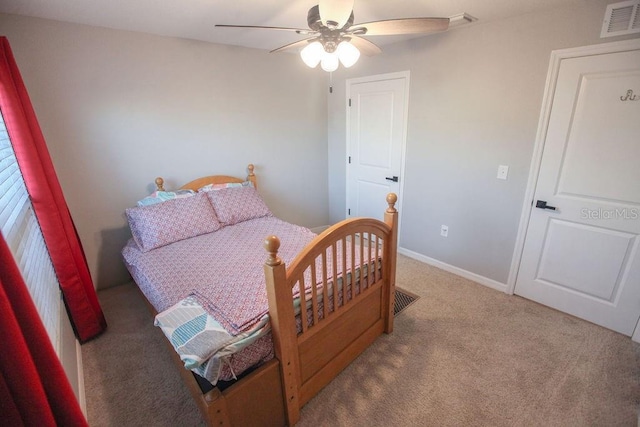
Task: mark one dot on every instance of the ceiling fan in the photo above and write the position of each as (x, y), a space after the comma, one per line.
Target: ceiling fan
(334, 38)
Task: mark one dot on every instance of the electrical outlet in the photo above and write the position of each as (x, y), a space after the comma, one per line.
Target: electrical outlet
(444, 230)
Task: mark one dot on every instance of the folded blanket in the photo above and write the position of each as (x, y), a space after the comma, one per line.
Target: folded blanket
(200, 341)
(192, 331)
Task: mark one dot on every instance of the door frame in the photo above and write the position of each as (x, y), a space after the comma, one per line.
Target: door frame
(376, 78)
(545, 113)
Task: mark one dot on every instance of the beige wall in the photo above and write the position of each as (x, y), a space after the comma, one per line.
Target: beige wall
(119, 108)
(474, 103)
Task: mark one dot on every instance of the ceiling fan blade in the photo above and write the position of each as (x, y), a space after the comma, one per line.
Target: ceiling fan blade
(260, 27)
(365, 46)
(403, 26)
(293, 45)
(335, 13)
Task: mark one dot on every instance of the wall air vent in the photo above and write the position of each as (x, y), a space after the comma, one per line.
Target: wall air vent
(621, 18)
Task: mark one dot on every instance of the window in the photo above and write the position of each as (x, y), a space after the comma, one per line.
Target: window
(22, 233)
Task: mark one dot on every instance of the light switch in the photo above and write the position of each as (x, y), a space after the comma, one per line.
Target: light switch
(503, 171)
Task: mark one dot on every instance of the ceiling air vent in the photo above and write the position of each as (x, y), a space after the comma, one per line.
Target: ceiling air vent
(621, 18)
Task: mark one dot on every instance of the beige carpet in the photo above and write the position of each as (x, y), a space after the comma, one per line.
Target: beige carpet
(462, 354)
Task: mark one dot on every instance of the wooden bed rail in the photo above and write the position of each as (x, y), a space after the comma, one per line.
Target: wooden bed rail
(354, 261)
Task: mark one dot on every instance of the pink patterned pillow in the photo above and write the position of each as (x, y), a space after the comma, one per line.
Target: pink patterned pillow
(237, 204)
(177, 219)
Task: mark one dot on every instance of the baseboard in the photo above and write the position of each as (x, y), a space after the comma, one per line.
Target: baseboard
(636, 338)
(485, 281)
(82, 398)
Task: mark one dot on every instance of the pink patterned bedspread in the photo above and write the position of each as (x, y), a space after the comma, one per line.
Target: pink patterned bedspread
(225, 270)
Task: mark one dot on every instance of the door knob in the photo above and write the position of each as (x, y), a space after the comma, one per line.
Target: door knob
(392, 178)
(542, 204)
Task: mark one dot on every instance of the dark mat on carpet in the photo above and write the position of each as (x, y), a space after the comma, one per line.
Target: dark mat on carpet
(403, 300)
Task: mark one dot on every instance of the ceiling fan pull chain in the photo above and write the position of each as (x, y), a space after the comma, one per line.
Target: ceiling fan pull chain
(331, 82)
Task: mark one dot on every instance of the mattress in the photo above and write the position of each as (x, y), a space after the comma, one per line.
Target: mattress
(225, 271)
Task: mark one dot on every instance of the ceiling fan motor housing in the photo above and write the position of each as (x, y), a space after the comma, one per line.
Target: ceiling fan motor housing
(330, 36)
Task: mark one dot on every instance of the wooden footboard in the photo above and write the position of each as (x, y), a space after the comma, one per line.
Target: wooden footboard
(352, 306)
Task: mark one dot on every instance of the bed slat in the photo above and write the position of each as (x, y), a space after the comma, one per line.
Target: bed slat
(353, 267)
(325, 281)
(314, 293)
(362, 262)
(334, 267)
(344, 273)
(303, 304)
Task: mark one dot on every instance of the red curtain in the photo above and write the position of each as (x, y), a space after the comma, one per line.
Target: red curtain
(48, 201)
(34, 390)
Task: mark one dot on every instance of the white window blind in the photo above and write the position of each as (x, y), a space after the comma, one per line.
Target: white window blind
(22, 233)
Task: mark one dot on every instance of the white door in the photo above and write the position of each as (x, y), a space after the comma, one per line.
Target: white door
(582, 257)
(377, 117)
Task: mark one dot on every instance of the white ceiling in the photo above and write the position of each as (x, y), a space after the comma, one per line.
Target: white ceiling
(195, 19)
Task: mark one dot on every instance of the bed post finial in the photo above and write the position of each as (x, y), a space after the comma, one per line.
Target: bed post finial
(252, 176)
(391, 219)
(391, 201)
(271, 245)
(160, 184)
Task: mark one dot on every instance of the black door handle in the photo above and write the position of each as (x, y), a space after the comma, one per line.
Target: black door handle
(541, 204)
(392, 178)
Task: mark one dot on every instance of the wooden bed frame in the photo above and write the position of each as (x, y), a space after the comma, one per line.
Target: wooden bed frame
(330, 340)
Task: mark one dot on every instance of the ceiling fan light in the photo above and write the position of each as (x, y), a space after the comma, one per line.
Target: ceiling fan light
(347, 53)
(329, 62)
(335, 13)
(312, 54)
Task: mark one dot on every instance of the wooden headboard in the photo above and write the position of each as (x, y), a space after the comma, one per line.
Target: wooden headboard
(213, 179)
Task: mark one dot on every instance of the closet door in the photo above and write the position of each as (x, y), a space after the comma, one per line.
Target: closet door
(581, 253)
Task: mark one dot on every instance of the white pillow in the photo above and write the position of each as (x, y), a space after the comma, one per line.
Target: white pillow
(213, 187)
(163, 196)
